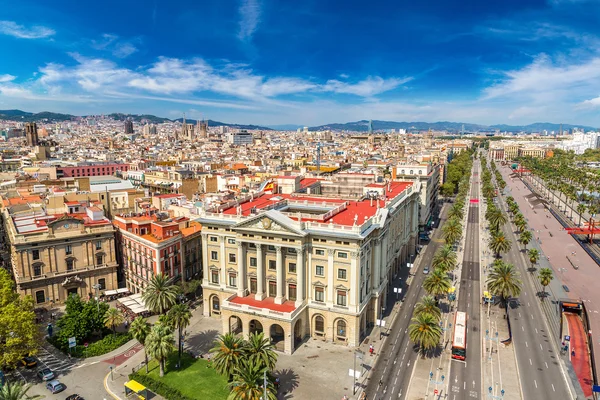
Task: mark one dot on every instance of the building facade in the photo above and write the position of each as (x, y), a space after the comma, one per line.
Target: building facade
(55, 255)
(294, 266)
(429, 176)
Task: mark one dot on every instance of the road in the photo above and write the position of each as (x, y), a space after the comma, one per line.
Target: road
(393, 369)
(465, 376)
(537, 360)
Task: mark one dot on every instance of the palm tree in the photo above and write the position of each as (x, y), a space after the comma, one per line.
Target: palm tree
(247, 383)
(159, 344)
(425, 331)
(504, 281)
(525, 237)
(499, 244)
(457, 211)
(444, 259)
(228, 350)
(452, 231)
(520, 223)
(437, 283)
(534, 256)
(497, 219)
(160, 294)
(112, 318)
(17, 391)
(140, 329)
(546, 277)
(260, 350)
(180, 316)
(581, 209)
(428, 305)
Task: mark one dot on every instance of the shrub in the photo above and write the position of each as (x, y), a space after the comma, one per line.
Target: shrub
(159, 387)
(97, 348)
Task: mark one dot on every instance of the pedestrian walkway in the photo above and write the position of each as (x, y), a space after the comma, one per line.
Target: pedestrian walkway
(580, 357)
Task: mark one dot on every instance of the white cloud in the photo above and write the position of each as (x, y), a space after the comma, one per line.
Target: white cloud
(11, 28)
(7, 78)
(113, 44)
(366, 88)
(250, 17)
(590, 103)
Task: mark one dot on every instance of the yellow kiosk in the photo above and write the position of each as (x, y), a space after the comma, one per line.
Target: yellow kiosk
(134, 388)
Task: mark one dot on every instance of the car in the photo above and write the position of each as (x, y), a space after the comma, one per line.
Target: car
(74, 397)
(55, 386)
(29, 362)
(426, 270)
(566, 288)
(46, 374)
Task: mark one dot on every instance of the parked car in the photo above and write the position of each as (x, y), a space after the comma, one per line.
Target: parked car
(29, 362)
(426, 270)
(55, 386)
(74, 397)
(46, 374)
(566, 288)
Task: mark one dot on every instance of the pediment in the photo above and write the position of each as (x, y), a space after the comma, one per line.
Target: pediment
(270, 221)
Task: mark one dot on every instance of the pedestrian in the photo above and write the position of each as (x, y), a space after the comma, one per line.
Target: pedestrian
(371, 349)
(573, 353)
(126, 324)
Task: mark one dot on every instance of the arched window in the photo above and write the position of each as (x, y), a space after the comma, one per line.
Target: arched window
(215, 303)
(420, 172)
(319, 324)
(403, 172)
(411, 171)
(341, 329)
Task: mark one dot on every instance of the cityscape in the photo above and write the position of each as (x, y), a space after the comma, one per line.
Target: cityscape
(192, 208)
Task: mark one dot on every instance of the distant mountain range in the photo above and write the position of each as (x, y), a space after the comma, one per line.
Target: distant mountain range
(358, 126)
(24, 116)
(363, 126)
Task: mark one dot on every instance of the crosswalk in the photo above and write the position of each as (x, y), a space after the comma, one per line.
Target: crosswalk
(55, 363)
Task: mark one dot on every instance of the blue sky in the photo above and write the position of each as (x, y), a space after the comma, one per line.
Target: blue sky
(307, 62)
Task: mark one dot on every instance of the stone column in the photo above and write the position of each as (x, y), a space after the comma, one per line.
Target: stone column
(377, 264)
(301, 272)
(280, 298)
(330, 276)
(260, 273)
(242, 276)
(223, 263)
(205, 271)
(354, 278)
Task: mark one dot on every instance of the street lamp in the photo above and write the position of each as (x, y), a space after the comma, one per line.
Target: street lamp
(97, 287)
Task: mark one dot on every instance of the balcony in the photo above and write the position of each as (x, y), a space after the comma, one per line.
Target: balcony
(265, 308)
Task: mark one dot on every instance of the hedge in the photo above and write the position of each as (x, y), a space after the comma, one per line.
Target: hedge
(159, 387)
(97, 348)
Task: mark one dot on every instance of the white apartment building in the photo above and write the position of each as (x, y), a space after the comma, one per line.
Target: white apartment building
(297, 266)
(428, 175)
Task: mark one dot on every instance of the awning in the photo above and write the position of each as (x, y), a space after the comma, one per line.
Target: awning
(135, 386)
(123, 290)
(110, 292)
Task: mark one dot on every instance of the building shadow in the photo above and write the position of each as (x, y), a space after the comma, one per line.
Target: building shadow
(202, 342)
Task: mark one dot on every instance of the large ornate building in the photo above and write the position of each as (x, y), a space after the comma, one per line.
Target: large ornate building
(54, 254)
(294, 265)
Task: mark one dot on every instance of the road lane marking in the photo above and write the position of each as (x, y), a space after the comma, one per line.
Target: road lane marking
(531, 316)
(534, 381)
(546, 364)
(541, 348)
(523, 328)
(526, 345)
(530, 363)
(553, 387)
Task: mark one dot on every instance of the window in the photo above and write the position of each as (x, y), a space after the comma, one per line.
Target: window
(70, 264)
(342, 274)
(342, 254)
(214, 276)
(99, 245)
(341, 328)
(213, 239)
(99, 259)
(252, 245)
(233, 280)
(40, 297)
(320, 271)
(102, 283)
(320, 252)
(411, 172)
(292, 292)
(231, 258)
(403, 172)
(270, 247)
(291, 250)
(68, 249)
(341, 298)
(214, 255)
(319, 324)
(272, 288)
(319, 294)
(37, 270)
(253, 261)
(272, 264)
(420, 172)
(253, 287)
(35, 254)
(215, 303)
(292, 267)
(231, 241)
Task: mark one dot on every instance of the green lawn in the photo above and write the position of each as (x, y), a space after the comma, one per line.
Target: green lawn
(193, 379)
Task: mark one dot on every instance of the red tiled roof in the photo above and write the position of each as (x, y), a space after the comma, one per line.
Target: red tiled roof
(268, 302)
